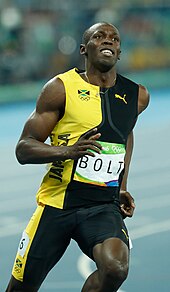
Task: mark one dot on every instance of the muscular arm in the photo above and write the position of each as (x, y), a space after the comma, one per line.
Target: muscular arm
(143, 99)
(126, 200)
(31, 147)
(129, 150)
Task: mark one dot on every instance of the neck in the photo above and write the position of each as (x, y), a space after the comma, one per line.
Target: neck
(107, 79)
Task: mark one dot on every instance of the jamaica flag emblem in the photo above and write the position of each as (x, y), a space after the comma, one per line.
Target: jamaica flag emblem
(84, 94)
(18, 263)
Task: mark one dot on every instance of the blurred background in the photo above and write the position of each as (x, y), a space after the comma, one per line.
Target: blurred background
(41, 38)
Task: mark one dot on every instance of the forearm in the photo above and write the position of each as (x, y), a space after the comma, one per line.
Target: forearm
(128, 156)
(31, 151)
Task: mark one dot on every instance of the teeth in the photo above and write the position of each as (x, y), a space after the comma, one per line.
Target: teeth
(107, 52)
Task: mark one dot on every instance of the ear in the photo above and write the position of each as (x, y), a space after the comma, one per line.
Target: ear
(83, 50)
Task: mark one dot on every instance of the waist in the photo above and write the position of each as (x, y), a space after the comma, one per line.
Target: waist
(80, 194)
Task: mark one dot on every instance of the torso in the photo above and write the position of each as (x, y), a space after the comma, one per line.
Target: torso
(114, 114)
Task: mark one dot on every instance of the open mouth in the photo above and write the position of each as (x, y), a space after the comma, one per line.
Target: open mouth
(107, 52)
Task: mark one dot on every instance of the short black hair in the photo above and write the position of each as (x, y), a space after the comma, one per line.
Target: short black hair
(87, 33)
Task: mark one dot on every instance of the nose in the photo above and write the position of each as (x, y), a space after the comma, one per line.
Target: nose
(108, 41)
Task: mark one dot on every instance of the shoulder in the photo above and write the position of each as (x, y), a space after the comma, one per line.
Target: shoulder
(52, 95)
(55, 86)
(142, 93)
(143, 98)
(126, 80)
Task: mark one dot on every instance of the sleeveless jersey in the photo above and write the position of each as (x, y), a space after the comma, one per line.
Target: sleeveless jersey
(89, 181)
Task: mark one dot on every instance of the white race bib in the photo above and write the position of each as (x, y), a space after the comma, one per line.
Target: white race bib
(103, 169)
(23, 244)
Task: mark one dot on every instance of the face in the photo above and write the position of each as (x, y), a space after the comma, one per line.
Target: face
(103, 46)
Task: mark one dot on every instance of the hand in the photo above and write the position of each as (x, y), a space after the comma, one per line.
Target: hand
(85, 143)
(127, 204)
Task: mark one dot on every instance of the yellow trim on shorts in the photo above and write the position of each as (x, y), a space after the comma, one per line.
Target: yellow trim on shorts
(27, 238)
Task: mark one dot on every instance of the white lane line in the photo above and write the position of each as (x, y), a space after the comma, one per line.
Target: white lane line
(150, 229)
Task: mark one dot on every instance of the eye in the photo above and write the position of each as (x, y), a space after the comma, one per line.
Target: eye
(116, 39)
(97, 36)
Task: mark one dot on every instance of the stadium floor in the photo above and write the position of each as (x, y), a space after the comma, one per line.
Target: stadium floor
(148, 182)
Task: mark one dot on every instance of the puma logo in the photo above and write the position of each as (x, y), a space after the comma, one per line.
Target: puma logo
(120, 97)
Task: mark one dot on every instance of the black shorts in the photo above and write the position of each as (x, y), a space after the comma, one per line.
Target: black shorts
(50, 230)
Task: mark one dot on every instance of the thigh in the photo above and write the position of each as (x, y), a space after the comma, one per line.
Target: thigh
(43, 243)
(101, 223)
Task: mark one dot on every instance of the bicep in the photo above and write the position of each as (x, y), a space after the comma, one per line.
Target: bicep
(49, 110)
(39, 125)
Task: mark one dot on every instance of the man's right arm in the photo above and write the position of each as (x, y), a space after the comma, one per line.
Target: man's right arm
(31, 147)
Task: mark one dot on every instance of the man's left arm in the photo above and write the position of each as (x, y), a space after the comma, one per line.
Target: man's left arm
(126, 200)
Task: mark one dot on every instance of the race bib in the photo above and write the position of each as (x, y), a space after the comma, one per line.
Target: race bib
(103, 169)
(23, 244)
